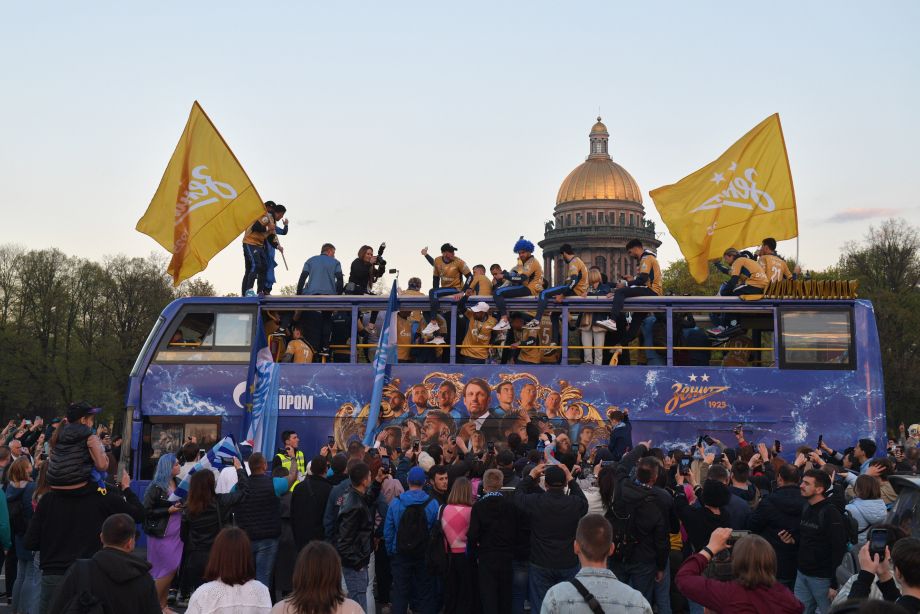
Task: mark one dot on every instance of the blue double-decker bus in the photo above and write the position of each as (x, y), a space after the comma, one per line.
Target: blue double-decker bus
(794, 370)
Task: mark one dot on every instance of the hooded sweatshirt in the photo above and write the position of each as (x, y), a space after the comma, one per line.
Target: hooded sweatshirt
(867, 512)
(121, 580)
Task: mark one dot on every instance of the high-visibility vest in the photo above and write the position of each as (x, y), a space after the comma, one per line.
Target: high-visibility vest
(301, 465)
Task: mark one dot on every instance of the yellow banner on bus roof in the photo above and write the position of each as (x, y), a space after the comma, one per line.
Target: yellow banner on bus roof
(736, 201)
(204, 200)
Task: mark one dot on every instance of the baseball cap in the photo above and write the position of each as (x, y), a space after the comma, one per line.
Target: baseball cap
(554, 476)
(480, 307)
(447, 247)
(75, 411)
(417, 476)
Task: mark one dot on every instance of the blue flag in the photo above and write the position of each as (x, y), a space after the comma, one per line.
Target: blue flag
(224, 449)
(385, 356)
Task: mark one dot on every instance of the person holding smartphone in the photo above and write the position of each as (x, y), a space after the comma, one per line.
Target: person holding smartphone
(290, 454)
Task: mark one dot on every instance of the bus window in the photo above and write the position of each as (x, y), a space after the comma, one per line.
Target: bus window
(816, 339)
(168, 435)
(209, 336)
(723, 339)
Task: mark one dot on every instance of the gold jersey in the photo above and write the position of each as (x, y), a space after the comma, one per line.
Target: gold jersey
(300, 350)
(481, 286)
(450, 273)
(478, 336)
(533, 274)
(575, 267)
(775, 267)
(257, 238)
(749, 272)
(648, 264)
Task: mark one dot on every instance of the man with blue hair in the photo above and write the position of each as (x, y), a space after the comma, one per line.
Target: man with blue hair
(526, 279)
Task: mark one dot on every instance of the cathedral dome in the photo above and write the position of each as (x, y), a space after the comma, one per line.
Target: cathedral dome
(599, 177)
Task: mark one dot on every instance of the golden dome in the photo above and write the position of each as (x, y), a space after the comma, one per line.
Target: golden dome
(599, 127)
(599, 179)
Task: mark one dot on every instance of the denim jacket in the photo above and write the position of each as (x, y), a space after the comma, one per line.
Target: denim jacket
(611, 594)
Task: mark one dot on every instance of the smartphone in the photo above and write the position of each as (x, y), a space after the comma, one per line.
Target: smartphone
(684, 466)
(490, 446)
(709, 440)
(878, 541)
(453, 439)
(398, 451)
(386, 464)
(777, 445)
(820, 440)
(736, 535)
(330, 441)
(699, 441)
(416, 444)
(202, 452)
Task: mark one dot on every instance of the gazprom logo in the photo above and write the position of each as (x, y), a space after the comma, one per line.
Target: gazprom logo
(301, 402)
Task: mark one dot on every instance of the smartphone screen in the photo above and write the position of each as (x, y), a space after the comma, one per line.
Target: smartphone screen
(386, 463)
(416, 444)
(399, 450)
(878, 540)
(776, 445)
(684, 466)
(491, 446)
(330, 440)
(820, 440)
(709, 440)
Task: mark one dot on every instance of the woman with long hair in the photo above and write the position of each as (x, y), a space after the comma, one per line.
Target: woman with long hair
(19, 494)
(592, 335)
(754, 587)
(317, 584)
(459, 592)
(204, 515)
(231, 585)
(162, 524)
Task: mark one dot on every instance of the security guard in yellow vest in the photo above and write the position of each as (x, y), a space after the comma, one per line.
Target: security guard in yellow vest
(289, 453)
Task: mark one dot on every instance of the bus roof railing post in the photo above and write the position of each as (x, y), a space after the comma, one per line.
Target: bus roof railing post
(564, 336)
(353, 349)
(669, 336)
(453, 335)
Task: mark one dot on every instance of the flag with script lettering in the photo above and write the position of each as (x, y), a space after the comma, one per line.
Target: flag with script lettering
(743, 197)
(204, 201)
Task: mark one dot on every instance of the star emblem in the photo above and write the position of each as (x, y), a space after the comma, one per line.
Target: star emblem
(732, 167)
(692, 377)
(718, 178)
(705, 378)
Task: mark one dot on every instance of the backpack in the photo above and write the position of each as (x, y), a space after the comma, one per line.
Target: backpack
(412, 534)
(437, 559)
(84, 601)
(850, 524)
(623, 524)
(18, 524)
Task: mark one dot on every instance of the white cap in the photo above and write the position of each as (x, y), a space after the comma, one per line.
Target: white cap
(480, 307)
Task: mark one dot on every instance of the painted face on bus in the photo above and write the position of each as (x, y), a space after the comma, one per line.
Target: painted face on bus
(573, 413)
(505, 396)
(585, 436)
(447, 397)
(397, 403)
(552, 404)
(528, 397)
(435, 431)
(420, 397)
(519, 427)
(476, 399)
(410, 433)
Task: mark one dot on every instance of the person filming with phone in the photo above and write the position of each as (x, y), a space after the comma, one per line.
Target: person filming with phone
(900, 563)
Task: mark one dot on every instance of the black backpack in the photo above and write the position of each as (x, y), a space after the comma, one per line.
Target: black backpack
(412, 534)
(622, 521)
(18, 524)
(84, 601)
(437, 559)
(850, 524)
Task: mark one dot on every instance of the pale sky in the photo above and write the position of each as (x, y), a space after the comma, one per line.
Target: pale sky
(419, 123)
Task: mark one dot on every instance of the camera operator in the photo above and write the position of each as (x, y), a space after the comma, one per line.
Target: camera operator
(365, 270)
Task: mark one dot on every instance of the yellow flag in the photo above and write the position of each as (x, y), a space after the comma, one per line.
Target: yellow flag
(737, 201)
(204, 201)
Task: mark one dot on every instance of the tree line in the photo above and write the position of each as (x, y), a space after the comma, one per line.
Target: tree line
(71, 328)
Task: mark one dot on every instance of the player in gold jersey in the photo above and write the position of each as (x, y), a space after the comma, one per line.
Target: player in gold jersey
(526, 279)
(646, 283)
(576, 285)
(447, 280)
(746, 270)
(480, 284)
(775, 267)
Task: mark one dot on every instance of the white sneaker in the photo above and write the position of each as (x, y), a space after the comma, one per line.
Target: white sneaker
(533, 324)
(715, 331)
(437, 341)
(552, 348)
(502, 325)
(431, 328)
(608, 324)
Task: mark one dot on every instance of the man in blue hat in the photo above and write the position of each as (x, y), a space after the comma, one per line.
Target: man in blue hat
(406, 531)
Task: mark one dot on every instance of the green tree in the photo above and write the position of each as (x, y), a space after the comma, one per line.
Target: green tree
(677, 280)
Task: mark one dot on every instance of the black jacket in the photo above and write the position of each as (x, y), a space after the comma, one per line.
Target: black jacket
(120, 580)
(198, 532)
(780, 511)
(156, 510)
(71, 462)
(822, 540)
(355, 527)
(493, 526)
(67, 523)
(651, 515)
(700, 521)
(363, 275)
(259, 513)
(553, 519)
(308, 504)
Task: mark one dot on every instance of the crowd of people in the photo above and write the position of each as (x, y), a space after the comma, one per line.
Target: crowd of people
(449, 527)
